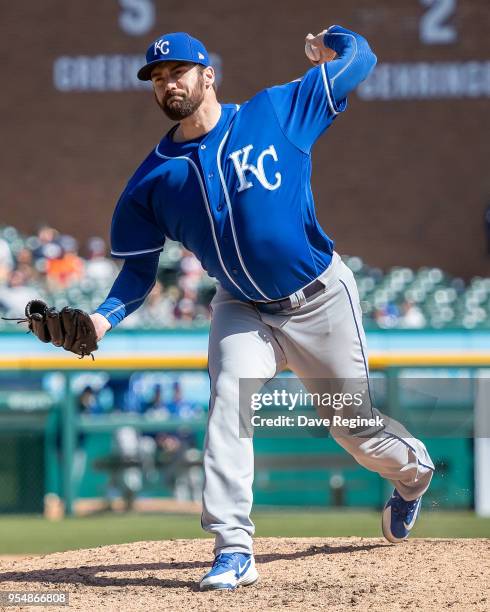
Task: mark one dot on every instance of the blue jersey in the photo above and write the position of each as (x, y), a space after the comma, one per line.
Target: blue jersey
(240, 197)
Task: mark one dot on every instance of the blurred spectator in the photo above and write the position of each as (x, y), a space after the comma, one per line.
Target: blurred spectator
(176, 407)
(134, 465)
(411, 317)
(98, 267)
(6, 261)
(65, 267)
(386, 316)
(186, 308)
(88, 402)
(15, 295)
(158, 309)
(46, 237)
(160, 305)
(156, 403)
(180, 408)
(191, 272)
(182, 462)
(25, 265)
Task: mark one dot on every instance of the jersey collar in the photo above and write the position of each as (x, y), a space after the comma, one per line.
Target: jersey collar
(167, 145)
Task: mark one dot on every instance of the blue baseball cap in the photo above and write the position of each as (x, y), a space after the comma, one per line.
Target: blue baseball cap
(174, 47)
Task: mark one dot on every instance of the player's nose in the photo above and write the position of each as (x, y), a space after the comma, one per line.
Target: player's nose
(172, 82)
(171, 88)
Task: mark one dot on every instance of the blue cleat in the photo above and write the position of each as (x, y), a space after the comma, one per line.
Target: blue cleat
(399, 517)
(229, 571)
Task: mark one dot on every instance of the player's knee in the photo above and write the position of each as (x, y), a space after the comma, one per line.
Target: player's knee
(233, 380)
(224, 384)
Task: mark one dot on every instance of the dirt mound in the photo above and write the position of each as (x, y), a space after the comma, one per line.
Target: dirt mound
(299, 574)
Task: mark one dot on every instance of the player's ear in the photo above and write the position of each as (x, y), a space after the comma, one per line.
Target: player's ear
(209, 76)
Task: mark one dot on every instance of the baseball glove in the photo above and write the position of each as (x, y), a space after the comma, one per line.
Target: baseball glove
(70, 328)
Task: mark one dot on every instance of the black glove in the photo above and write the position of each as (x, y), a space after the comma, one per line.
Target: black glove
(70, 328)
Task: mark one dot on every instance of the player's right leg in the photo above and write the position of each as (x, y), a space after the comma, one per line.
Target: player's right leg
(240, 346)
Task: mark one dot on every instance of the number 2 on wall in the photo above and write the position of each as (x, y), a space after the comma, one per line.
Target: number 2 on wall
(434, 29)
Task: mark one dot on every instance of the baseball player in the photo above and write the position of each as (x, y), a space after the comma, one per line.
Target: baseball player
(232, 184)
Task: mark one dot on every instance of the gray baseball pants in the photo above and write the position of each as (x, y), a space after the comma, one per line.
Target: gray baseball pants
(322, 339)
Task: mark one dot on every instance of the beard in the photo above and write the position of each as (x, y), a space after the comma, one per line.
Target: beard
(184, 106)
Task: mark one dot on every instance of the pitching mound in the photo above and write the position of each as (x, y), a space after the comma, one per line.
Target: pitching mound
(300, 574)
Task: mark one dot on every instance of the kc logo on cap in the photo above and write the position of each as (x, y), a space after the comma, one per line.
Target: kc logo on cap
(159, 47)
(173, 47)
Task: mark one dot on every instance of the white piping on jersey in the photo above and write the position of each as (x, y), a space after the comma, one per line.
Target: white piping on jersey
(140, 299)
(232, 223)
(122, 254)
(330, 94)
(327, 89)
(351, 59)
(208, 210)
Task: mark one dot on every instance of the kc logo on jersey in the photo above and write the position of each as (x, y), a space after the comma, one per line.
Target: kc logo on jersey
(242, 165)
(161, 47)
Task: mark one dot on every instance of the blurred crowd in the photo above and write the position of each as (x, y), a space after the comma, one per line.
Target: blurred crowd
(139, 461)
(50, 266)
(402, 298)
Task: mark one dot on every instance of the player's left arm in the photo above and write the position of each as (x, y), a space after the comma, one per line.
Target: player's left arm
(130, 289)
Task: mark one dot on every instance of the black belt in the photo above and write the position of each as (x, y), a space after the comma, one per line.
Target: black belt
(295, 300)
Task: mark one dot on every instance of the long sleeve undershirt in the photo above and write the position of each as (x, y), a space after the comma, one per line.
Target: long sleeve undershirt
(353, 63)
(131, 287)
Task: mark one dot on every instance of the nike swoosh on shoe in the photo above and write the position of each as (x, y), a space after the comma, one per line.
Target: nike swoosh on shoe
(246, 565)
